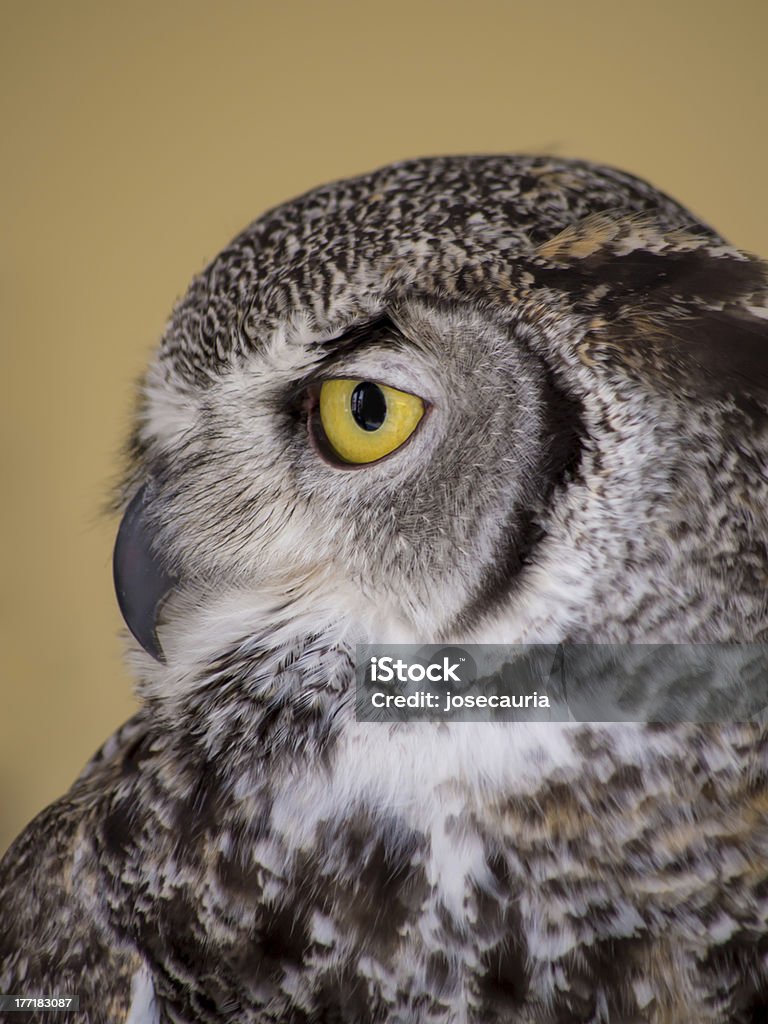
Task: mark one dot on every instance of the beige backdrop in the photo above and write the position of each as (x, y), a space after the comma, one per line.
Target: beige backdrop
(136, 139)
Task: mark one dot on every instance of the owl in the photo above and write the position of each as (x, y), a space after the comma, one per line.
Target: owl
(462, 400)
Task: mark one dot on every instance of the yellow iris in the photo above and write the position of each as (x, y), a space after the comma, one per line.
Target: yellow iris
(364, 421)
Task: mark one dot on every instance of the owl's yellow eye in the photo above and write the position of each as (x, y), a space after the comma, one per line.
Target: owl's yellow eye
(364, 421)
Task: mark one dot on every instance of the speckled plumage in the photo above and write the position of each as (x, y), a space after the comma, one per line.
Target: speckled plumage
(594, 468)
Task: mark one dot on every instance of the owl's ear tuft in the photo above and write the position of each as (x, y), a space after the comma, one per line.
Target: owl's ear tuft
(142, 582)
(725, 351)
(709, 321)
(640, 259)
(689, 310)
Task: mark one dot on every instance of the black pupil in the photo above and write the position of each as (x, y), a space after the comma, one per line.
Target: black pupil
(369, 406)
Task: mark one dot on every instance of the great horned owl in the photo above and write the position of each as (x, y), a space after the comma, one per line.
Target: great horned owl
(491, 399)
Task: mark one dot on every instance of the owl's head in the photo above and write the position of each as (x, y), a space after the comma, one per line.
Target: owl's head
(507, 399)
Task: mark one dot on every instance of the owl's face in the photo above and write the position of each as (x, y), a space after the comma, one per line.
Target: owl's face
(458, 398)
(271, 499)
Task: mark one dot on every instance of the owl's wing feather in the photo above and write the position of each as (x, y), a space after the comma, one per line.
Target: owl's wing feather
(55, 938)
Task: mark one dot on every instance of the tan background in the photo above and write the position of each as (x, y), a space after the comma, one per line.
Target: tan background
(136, 139)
